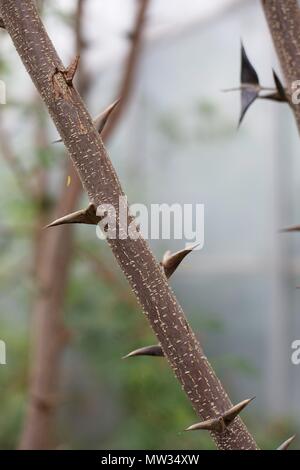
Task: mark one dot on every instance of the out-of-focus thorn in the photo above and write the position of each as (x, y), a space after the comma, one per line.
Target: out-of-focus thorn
(2, 25)
(84, 216)
(101, 120)
(58, 141)
(71, 70)
(130, 35)
(286, 444)
(250, 84)
(280, 94)
(293, 228)
(154, 350)
(171, 261)
(279, 87)
(220, 423)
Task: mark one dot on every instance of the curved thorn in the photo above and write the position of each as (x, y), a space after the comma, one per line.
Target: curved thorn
(101, 120)
(250, 84)
(71, 70)
(84, 216)
(287, 443)
(154, 350)
(171, 261)
(248, 72)
(279, 87)
(279, 94)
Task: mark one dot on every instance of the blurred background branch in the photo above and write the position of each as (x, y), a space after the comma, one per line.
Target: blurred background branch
(54, 251)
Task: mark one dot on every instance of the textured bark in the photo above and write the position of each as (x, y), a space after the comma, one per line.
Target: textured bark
(283, 17)
(101, 183)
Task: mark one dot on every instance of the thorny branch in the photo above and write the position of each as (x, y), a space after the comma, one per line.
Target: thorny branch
(100, 181)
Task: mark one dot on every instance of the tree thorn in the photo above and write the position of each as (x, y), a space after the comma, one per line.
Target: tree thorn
(280, 88)
(220, 423)
(214, 425)
(101, 120)
(279, 94)
(286, 444)
(250, 86)
(292, 228)
(154, 350)
(84, 216)
(70, 71)
(171, 261)
(231, 414)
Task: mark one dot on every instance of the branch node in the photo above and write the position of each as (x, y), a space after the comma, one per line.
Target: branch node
(171, 261)
(84, 216)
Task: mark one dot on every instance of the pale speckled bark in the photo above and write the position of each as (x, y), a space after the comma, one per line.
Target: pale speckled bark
(283, 17)
(134, 256)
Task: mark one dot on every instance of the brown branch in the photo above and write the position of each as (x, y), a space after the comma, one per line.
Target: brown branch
(283, 17)
(100, 181)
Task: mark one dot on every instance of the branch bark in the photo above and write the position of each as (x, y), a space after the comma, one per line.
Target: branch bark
(101, 183)
(283, 17)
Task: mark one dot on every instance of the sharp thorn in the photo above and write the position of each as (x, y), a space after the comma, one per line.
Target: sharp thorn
(248, 72)
(57, 141)
(85, 216)
(214, 425)
(171, 261)
(286, 444)
(71, 70)
(228, 90)
(101, 120)
(248, 96)
(250, 86)
(279, 94)
(154, 350)
(279, 87)
(231, 414)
